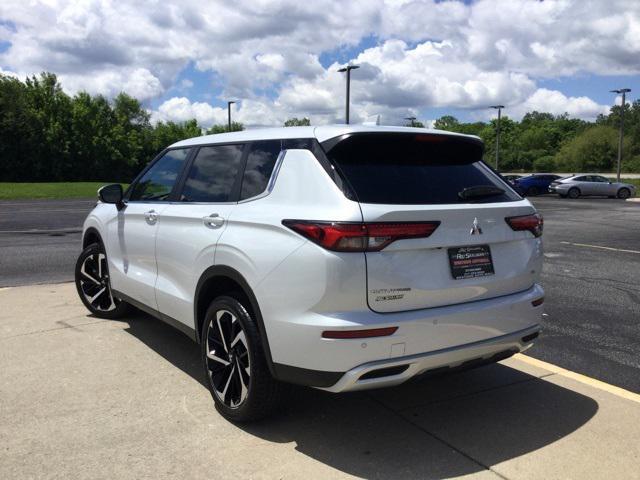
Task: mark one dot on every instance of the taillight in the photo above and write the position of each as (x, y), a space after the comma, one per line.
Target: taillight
(533, 223)
(359, 237)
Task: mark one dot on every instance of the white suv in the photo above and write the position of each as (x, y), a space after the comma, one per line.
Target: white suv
(339, 257)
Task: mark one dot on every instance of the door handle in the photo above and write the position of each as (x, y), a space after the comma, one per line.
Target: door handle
(213, 221)
(151, 217)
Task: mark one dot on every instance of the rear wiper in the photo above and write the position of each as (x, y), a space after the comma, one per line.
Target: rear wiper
(480, 191)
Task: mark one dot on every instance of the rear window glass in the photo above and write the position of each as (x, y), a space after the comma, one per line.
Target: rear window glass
(398, 168)
(260, 162)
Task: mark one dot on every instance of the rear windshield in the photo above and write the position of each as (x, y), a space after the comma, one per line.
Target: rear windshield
(408, 168)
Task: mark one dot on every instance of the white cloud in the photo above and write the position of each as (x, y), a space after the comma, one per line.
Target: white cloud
(180, 109)
(553, 101)
(428, 55)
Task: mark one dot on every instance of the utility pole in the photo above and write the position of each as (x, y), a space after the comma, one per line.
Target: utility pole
(412, 120)
(499, 108)
(348, 69)
(623, 91)
(229, 114)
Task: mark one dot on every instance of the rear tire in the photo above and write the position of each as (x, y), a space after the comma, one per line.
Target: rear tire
(573, 193)
(624, 193)
(235, 364)
(533, 192)
(94, 286)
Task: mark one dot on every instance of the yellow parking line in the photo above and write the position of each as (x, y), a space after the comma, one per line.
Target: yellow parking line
(601, 247)
(592, 382)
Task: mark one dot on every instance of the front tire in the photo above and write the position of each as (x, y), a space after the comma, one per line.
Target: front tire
(235, 364)
(94, 286)
(624, 193)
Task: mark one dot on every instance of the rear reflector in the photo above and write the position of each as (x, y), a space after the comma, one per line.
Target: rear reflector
(372, 332)
(532, 223)
(359, 237)
(538, 302)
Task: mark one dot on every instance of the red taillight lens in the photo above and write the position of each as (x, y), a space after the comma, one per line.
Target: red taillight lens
(359, 237)
(533, 223)
(370, 333)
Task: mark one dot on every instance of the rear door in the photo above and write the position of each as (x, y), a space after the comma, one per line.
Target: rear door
(473, 254)
(191, 226)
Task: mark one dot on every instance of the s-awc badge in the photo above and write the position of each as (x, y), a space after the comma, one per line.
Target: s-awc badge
(470, 262)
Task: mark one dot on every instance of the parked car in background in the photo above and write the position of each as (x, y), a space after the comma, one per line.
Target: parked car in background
(587, 185)
(511, 178)
(534, 184)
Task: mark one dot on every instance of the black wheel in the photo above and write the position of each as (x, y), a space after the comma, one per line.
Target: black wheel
(624, 193)
(573, 193)
(235, 365)
(533, 191)
(94, 288)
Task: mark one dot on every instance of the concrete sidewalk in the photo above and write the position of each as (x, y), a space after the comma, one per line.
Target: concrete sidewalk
(87, 398)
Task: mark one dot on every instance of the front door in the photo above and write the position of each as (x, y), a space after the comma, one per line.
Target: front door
(132, 236)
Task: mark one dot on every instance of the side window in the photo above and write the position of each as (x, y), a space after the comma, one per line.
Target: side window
(213, 174)
(260, 163)
(156, 184)
(580, 179)
(601, 179)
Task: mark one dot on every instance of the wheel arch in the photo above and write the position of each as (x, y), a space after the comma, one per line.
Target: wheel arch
(91, 235)
(223, 280)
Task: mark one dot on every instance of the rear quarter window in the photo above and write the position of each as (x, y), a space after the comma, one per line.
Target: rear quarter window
(399, 168)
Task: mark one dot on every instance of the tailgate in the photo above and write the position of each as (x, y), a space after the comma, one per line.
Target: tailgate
(418, 273)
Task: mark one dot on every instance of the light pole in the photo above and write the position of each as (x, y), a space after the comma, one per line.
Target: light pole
(412, 120)
(623, 91)
(229, 113)
(499, 108)
(348, 69)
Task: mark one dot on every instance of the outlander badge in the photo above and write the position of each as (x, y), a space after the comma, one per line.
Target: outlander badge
(475, 228)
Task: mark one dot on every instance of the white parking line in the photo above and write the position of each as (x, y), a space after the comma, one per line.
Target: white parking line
(592, 382)
(601, 247)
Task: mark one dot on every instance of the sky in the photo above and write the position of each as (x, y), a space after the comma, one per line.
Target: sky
(279, 58)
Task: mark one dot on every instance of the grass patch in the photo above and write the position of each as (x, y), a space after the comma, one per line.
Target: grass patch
(53, 190)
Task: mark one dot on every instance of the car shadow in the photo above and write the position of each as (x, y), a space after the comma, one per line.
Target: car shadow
(438, 427)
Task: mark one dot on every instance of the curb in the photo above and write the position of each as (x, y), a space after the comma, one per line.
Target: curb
(34, 231)
(634, 199)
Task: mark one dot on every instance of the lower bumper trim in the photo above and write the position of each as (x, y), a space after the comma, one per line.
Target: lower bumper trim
(453, 358)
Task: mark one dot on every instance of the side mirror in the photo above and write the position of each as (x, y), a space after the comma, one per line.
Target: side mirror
(112, 194)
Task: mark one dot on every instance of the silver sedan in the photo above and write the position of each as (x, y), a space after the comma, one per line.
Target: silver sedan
(585, 185)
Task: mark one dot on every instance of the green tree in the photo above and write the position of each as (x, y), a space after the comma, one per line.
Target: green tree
(594, 150)
(297, 122)
(235, 127)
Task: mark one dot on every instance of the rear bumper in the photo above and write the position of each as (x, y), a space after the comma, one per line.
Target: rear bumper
(425, 339)
(386, 373)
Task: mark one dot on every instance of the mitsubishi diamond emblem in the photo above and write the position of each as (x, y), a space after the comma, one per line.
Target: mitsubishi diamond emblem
(475, 228)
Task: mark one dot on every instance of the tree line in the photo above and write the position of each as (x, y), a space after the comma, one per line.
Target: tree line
(48, 135)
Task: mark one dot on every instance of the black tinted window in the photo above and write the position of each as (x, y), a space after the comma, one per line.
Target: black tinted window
(414, 169)
(260, 162)
(157, 182)
(213, 174)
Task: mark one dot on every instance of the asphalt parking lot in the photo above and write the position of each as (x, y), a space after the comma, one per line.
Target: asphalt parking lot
(591, 274)
(88, 398)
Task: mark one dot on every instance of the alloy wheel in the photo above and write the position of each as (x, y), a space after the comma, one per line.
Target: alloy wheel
(94, 283)
(228, 359)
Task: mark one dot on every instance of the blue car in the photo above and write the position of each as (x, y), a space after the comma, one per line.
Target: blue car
(534, 184)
